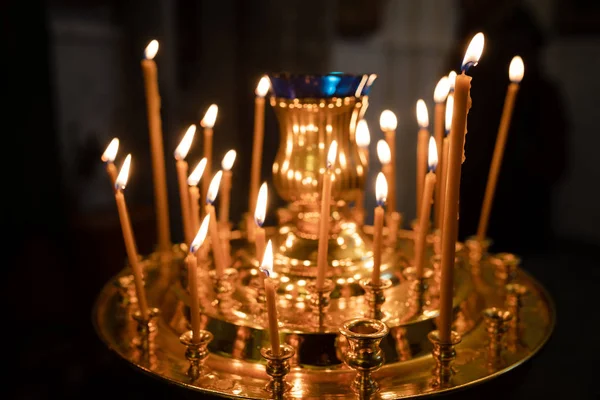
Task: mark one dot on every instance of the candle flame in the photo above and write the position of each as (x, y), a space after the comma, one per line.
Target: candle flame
(201, 235)
(332, 154)
(449, 112)
(363, 136)
(388, 120)
(441, 90)
(371, 79)
(260, 212)
(263, 86)
(228, 160)
(110, 153)
(422, 114)
(213, 188)
(516, 69)
(383, 152)
(196, 174)
(432, 156)
(121, 181)
(381, 189)
(451, 80)
(266, 266)
(210, 117)
(473, 52)
(151, 49)
(184, 146)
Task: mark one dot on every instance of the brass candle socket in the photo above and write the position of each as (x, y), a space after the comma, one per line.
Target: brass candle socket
(223, 288)
(145, 326)
(443, 356)
(496, 325)
(363, 353)
(375, 297)
(320, 299)
(278, 366)
(126, 290)
(507, 265)
(196, 352)
(477, 248)
(515, 292)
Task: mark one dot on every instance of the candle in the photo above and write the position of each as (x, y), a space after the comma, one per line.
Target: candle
(422, 143)
(259, 131)
(452, 81)
(260, 213)
(182, 169)
(388, 123)
(130, 247)
(194, 194)
(108, 157)
(215, 240)
(385, 157)
(515, 73)
(381, 191)
(363, 140)
(445, 144)
(226, 164)
(324, 221)
(426, 200)
(439, 97)
(192, 266)
(208, 122)
(156, 146)
(455, 158)
(271, 297)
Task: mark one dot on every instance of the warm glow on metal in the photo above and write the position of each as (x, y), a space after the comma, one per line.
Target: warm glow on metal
(383, 152)
(516, 69)
(422, 114)
(363, 136)
(381, 189)
(228, 160)
(210, 117)
(151, 49)
(260, 211)
(201, 235)
(266, 266)
(388, 120)
(213, 188)
(121, 181)
(332, 154)
(110, 153)
(441, 90)
(451, 80)
(184, 146)
(263, 87)
(196, 174)
(449, 111)
(432, 156)
(473, 52)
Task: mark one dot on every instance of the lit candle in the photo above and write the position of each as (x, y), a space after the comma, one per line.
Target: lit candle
(427, 198)
(260, 212)
(325, 216)
(439, 97)
(192, 266)
(226, 164)
(445, 145)
(422, 143)
(363, 140)
(385, 158)
(515, 73)
(271, 297)
(462, 103)
(194, 194)
(156, 146)
(108, 157)
(259, 132)
(381, 191)
(130, 247)
(215, 240)
(388, 123)
(182, 170)
(208, 122)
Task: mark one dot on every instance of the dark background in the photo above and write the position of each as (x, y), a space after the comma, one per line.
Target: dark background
(61, 229)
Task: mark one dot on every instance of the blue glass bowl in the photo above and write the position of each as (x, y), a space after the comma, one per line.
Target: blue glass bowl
(317, 86)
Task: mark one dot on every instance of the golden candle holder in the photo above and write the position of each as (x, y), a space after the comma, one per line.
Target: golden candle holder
(363, 353)
(515, 292)
(320, 300)
(196, 352)
(477, 248)
(496, 321)
(507, 265)
(145, 326)
(223, 287)
(444, 355)
(278, 366)
(375, 297)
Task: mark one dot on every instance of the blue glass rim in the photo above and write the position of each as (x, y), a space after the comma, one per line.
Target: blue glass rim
(320, 86)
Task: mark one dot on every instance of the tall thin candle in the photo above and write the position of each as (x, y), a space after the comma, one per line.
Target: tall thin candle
(192, 265)
(271, 297)
(422, 143)
(260, 212)
(324, 222)
(182, 171)
(363, 140)
(208, 122)
(108, 157)
(381, 191)
(445, 145)
(224, 202)
(388, 123)
(439, 97)
(259, 132)
(194, 194)
(215, 240)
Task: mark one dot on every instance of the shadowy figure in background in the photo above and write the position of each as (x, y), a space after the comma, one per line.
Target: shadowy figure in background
(535, 153)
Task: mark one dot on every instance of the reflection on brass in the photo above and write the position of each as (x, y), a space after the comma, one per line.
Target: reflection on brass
(375, 296)
(496, 321)
(507, 265)
(278, 367)
(196, 352)
(443, 356)
(478, 249)
(320, 300)
(363, 353)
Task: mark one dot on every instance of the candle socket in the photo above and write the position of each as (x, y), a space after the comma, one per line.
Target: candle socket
(443, 356)
(478, 249)
(223, 288)
(126, 290)
(496, 325)
(319, 299)
(363, 353)
(375, 297)
(278, 366)
(145, 326)
(507, 265)
(196, 352)
(515, 292)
